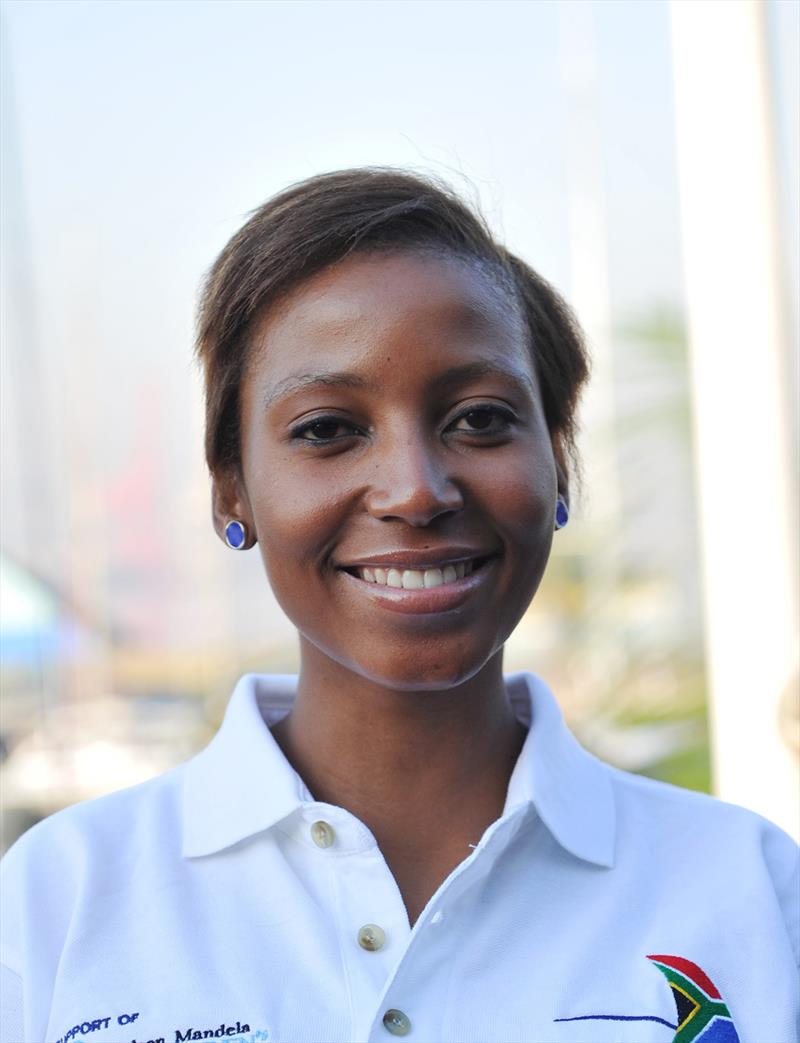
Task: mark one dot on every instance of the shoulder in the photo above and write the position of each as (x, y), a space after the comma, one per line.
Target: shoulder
(645, 801)
(725, 851)
(106, 821)
(93, 845)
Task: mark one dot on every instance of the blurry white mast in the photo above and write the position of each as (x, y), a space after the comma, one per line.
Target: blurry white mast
(739, 353)
(589, 294)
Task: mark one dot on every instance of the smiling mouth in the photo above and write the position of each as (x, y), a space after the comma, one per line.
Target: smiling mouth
(416, 578)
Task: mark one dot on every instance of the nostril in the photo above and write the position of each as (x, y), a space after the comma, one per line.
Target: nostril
(415, 499)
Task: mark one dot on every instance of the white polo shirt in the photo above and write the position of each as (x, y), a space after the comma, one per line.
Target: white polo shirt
(220, 901)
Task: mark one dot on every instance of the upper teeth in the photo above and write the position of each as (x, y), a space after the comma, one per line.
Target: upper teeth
(416, 579)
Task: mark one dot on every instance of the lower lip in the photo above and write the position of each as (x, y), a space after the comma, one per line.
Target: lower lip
(427, 600)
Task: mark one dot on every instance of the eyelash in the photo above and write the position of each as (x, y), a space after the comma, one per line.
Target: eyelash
(506, 417)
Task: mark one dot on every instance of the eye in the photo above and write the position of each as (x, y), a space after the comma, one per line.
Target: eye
(483, 420)
(323, 429)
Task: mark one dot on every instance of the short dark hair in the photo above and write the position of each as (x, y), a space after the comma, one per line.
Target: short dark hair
(313, 224)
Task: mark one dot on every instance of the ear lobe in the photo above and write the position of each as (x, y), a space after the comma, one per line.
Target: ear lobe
(229, 503)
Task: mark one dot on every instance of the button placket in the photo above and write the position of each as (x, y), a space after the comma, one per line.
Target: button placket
(419, 968)
(373, 924)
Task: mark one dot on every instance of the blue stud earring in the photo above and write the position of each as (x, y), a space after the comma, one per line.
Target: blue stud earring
(562, 513)
(235, 535)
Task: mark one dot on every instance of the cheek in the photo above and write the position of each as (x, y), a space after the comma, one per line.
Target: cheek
(298, 520)
(521, 498)
(293, 533)
(290, 505)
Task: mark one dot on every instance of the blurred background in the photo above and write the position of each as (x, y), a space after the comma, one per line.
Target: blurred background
(642, 156)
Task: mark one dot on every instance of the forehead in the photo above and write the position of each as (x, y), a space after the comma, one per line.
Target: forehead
(376, 307)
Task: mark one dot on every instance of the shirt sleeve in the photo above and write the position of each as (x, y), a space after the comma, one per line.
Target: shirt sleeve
(11, 1027)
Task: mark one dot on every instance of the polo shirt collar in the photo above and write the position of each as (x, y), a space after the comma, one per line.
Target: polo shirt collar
(241, 783)
(569, 787)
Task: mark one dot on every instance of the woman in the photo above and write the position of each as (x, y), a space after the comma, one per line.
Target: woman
(400, 841)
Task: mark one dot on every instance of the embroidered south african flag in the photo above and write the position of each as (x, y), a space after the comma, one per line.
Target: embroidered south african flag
(702, 1016)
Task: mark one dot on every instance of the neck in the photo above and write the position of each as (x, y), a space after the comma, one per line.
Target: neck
(433, 765)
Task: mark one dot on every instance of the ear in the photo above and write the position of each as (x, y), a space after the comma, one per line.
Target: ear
(229, 502)
(562, 472)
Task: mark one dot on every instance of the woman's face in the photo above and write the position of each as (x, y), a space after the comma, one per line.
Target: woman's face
(397, 469)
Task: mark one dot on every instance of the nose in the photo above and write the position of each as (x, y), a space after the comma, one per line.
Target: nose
(411, 483)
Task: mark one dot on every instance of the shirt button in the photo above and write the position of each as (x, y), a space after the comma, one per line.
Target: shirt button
(322, 834)
(396, 1022)
(371, 937)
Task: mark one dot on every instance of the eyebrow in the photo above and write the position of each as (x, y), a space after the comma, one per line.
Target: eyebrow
(312, 380)
(456, 376)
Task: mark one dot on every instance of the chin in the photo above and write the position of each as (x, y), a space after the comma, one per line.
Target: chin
(433, 668)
